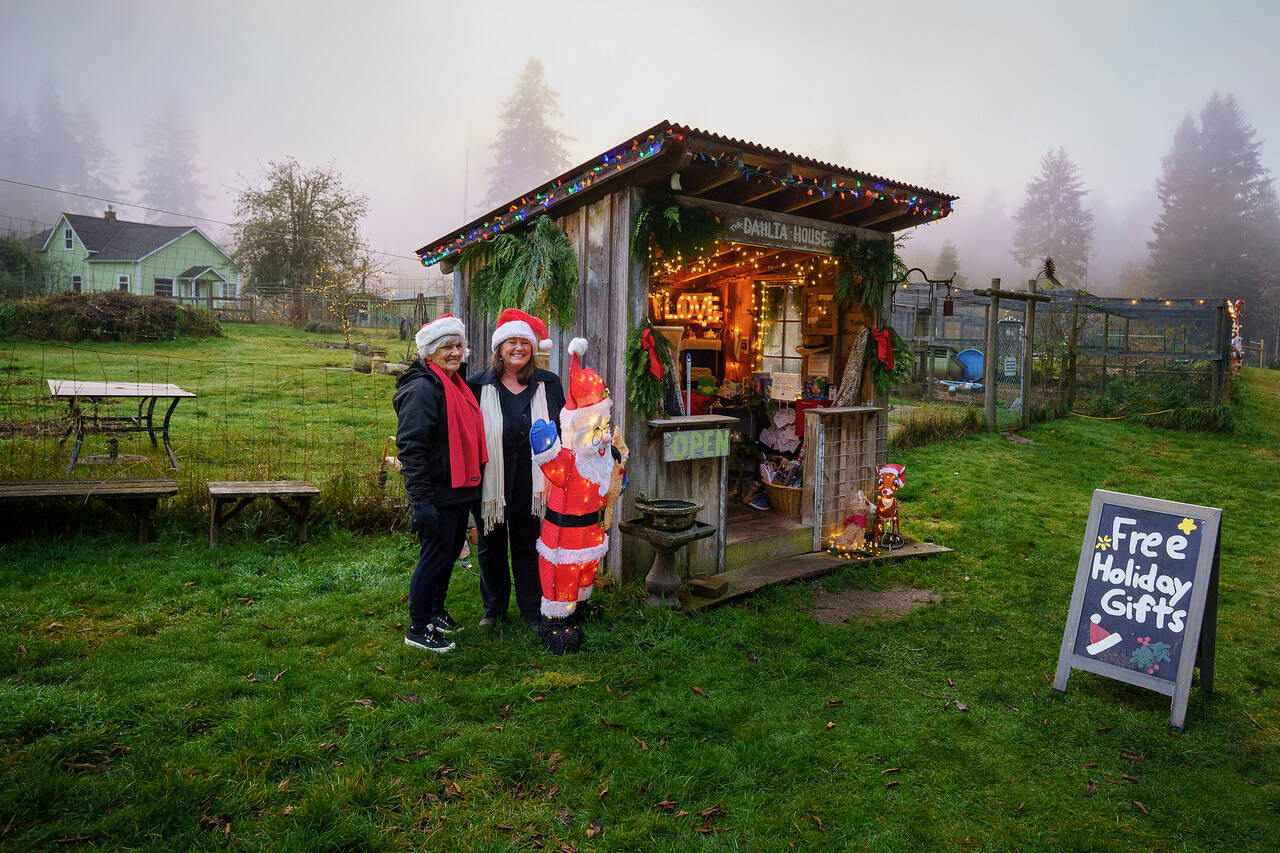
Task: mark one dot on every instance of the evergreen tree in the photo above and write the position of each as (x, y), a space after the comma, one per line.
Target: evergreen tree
(168, 178)
(528, 150)
(948, 263)
(97, 172)
(22, 210)
(1053, 221)
(55, 161)
(1218, 234)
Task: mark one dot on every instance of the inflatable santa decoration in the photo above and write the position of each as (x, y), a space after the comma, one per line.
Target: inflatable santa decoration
(579, 467)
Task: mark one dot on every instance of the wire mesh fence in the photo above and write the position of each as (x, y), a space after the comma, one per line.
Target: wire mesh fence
(270, 404)
(1106, 357)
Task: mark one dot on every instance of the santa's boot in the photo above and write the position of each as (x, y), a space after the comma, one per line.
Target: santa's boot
(559, 636)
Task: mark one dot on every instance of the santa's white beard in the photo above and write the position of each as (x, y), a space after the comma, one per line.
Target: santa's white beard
(595, 467)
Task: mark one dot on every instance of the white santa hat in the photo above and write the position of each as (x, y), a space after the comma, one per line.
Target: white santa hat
(514, 323)
(444, 326)
(585, 393)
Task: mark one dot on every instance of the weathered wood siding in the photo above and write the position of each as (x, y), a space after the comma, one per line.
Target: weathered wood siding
(612, 291)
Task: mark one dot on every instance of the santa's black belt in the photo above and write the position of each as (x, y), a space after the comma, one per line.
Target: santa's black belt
(559, 519)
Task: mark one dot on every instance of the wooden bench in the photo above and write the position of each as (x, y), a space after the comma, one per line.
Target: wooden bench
(140, 495)
(228, 498)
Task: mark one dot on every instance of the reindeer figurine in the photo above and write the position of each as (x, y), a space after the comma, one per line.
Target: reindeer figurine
(884, 530)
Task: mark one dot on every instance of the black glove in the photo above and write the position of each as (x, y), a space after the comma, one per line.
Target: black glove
(424, 519)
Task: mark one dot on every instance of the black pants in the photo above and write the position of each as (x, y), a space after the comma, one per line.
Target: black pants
(517, 537)
(438, 552)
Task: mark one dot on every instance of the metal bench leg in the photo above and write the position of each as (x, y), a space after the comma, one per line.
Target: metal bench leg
(164, 431)
(75, 451)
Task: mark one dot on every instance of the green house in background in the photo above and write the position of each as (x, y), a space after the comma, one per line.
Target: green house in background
(86, 254)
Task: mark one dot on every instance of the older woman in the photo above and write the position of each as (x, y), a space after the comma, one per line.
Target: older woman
(513, 393)
(441, 446)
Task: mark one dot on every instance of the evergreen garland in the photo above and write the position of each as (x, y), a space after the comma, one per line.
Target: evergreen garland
(672, 229)
(865, 269)
(536, 271)
(646, 392)
(882, 378)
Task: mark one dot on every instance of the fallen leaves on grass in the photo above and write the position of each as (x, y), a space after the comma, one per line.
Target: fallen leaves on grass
(644, 747)
(666, 805)
(594, 829)
(892, 783)
(818, 821)
(1129, 778)
(609, 724)
(411, 698)
(1141, 807)
(367, 703)
(960, 706)
(604, 792)
(250, 678)
(278, 674)
(834, 703)
(1089, 788)
(830, 725)
(283, 787)
(752, 657)
(699, 691)
(328, 746)
(551, 793)
(553, 761)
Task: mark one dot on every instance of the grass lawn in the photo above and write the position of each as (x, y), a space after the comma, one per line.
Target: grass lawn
(259, 697)
(268, 407)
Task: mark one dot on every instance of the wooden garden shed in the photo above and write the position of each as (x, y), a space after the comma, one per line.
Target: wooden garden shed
(757, 307)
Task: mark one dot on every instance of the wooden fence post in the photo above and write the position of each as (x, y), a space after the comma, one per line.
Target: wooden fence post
(989, 357)
(1072, 341)
(1028, 352)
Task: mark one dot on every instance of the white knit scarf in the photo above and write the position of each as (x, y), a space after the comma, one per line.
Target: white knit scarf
(493, 497)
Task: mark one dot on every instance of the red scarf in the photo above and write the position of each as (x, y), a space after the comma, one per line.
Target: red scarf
(467, 451)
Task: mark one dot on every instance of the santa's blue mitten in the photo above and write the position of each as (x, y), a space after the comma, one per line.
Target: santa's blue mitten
(542, 436)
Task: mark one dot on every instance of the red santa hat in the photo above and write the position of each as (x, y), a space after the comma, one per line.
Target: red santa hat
(514, 323)
(444, 326)
(1100, 639)
(585, 393)
(899, 473)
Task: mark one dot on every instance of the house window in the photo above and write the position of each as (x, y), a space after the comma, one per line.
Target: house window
(164, 287)
(229, 289)
(122, 282)
(68, 241)
(77, 284)
(780, 329)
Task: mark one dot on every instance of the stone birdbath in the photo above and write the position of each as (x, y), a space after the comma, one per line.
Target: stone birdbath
(667, 525)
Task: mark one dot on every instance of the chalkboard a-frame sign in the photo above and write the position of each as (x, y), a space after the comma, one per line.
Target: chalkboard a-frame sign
(1145, 606)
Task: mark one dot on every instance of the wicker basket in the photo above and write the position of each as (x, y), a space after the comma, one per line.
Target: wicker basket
(785, 499)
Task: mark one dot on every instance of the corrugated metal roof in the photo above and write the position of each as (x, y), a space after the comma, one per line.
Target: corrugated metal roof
(648, 142)
(801, 159)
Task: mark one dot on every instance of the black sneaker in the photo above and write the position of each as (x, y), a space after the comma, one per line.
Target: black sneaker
(429, 639)
(444, 624)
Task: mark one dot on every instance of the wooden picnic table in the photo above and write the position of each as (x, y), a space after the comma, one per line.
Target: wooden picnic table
(75, 392)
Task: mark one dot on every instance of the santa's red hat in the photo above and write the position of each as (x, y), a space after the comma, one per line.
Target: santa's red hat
(444, 326)
(514, 323)
(1100, 639)
(899, 473)
(585, 392)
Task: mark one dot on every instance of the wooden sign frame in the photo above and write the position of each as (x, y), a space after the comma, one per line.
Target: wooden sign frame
(1200, 632)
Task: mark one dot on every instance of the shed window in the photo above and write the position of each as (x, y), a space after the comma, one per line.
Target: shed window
(77, 284)
(68, 239)
(122, 282)
(780, 329)
(164, 287)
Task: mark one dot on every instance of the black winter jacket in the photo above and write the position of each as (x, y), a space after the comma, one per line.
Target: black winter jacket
(422, 439)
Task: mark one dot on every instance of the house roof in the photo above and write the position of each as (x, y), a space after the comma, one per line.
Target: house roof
(197, 271)
(119, 239)
(716, 168)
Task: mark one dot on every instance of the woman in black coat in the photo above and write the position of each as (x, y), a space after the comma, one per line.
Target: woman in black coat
(513, 393)
(440, 445)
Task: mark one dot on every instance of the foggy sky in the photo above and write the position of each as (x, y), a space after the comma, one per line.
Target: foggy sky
(960, 97)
